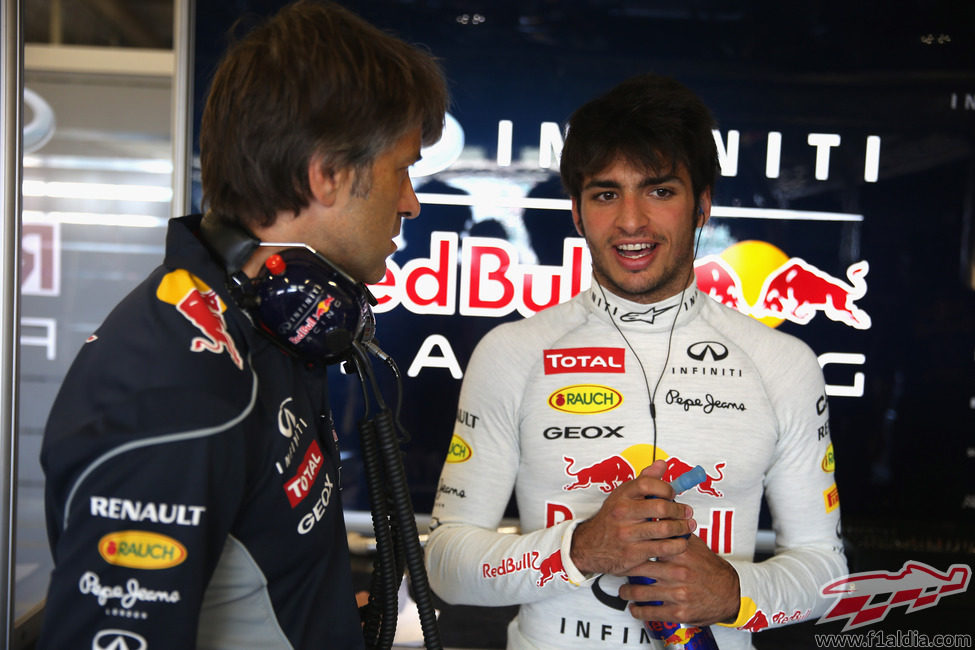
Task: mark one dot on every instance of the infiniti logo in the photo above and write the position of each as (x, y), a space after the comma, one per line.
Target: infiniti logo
(606, 598)
(701, 349)
(118, 640)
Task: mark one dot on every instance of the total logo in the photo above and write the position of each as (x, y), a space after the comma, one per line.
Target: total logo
(585, 398)
(584, 360)
(760, 280)
(609, 473)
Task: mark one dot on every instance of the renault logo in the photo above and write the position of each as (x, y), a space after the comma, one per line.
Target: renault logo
(717, 351)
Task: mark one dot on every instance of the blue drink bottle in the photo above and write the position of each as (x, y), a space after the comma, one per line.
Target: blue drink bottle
(689, 637)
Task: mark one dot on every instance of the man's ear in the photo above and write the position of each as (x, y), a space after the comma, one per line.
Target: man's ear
(577, 218)
(704, 208)
(325, 182)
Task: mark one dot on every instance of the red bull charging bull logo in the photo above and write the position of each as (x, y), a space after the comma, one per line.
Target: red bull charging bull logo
(201, 306)
(311, 322)
(609, 473)
(673, 633)
(758, 279)
(548, 568)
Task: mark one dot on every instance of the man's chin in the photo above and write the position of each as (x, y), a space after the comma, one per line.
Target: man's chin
(374, 277)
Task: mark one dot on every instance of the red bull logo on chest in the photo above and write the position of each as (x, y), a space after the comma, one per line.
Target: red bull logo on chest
(201, 306)
(607, 474)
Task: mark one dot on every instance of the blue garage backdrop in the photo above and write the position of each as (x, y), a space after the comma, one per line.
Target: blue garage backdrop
(847, 141)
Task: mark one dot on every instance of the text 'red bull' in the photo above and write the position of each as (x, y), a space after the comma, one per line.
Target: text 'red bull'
(491, 280)
(548, 568)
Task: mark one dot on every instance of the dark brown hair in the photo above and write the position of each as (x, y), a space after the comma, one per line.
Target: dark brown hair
(650, 121)
(314, 81)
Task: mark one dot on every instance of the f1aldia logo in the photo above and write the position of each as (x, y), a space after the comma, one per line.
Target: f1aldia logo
(916, 585)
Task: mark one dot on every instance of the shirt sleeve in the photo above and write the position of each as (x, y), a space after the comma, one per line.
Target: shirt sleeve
(801, 492)
(468, 560)
(140, 526)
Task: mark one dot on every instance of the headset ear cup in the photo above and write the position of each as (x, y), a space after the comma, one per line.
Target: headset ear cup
(311, 308)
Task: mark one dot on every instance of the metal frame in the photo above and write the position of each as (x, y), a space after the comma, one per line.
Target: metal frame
(11, 173)
(182, 93)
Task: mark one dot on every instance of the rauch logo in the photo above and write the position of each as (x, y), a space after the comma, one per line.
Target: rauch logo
(459, 450)
(139, 549)
(585, 398)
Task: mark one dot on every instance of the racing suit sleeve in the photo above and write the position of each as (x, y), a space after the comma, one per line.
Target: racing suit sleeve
(801, 492)
(468, 561)
(139, 523)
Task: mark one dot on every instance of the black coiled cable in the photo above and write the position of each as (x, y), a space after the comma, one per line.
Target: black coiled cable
(379, 620)
(397, 540)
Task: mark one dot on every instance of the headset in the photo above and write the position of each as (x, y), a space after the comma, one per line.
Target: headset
(317, 312)
(299, 299)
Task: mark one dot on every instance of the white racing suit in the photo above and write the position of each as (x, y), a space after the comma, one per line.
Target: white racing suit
(555, 408)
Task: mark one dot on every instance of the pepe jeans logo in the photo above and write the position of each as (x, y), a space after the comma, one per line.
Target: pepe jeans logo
(585, 398)
(128, 596)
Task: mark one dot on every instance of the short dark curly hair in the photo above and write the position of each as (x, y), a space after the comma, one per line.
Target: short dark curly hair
(651, 121)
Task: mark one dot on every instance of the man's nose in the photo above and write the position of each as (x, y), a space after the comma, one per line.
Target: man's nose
(409, 205)
(631, 216)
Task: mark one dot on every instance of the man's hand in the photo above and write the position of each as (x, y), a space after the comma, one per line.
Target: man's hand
(695, 587)
(630, 528)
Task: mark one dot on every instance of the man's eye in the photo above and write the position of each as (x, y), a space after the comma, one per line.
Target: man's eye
(604, 196)
(662, 192)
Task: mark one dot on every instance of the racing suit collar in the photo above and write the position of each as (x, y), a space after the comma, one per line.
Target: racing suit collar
(635, 316)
